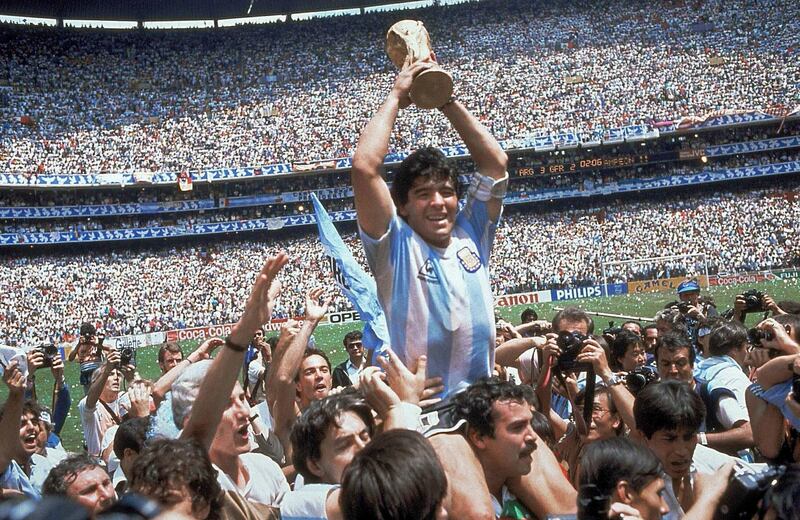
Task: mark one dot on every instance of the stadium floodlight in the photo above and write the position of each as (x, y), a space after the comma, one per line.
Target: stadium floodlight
(693, 264)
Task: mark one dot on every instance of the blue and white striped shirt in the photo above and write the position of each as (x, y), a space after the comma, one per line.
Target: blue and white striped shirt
(438, 301)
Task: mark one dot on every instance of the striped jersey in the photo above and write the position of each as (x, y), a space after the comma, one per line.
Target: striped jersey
(438, 301)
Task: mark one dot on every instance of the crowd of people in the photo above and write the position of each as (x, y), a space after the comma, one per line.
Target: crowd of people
(675, 421)
(45, 296)
(441, 409)
(580, 182)
(203, 99)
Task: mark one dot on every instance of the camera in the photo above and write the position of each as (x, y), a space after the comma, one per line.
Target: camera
(684, 307)
(640, 377)
(126, 355)
(570, 344)
(50, 352)
(754, 336)
(611, 330)
(753, 300)
(745, 489)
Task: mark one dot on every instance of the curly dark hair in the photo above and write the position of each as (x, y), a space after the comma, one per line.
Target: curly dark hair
(475, 403)
(428, 162)
(167, 464)
(65, 472)
(312, 426)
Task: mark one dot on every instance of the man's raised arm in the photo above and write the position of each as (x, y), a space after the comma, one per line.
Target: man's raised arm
(489, 157)
(374, 206)
(215, 390)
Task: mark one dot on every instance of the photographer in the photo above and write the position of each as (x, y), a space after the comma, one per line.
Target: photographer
(754, 301)
(724, 378)
(113, 405)
(21, 469)
(89, 352)
(696, 311)
(767, 400)
(62, 401)
(255, 372)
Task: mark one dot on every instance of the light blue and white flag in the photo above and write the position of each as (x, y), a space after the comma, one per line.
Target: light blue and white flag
(355, 283)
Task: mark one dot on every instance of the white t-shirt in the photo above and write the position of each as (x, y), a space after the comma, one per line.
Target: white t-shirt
(254, 371)
(731, 411)
(307, 503)
(96, 421)
(266, 484)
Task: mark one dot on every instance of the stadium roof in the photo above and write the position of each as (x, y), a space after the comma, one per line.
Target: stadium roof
(160, 10)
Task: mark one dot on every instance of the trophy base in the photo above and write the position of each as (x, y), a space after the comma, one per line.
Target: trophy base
(431, 88)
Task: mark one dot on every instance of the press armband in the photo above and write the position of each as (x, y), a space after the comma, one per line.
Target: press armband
(484, 188)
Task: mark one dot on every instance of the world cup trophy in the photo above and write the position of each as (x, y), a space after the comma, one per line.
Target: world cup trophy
(431, 88)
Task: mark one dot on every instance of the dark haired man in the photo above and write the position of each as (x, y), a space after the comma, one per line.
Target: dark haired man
(83, 479)
(723, 377)
(650, 337)
(179, 477)
(397, 476)
(499, 430)
(128, 443)
(430, 260)
(668, 416)
(346, 372)
(632, 326)
(675, 358)
(325, 438)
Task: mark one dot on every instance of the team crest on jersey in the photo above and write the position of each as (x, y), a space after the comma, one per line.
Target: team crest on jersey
(427, 272)
(469, 260)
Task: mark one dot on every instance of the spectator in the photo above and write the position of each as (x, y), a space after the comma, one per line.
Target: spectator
(82, 479)
(346, 373)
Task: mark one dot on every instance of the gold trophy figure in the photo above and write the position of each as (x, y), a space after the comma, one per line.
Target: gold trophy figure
(432, 88)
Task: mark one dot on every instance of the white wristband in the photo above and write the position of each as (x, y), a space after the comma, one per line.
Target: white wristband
(702, 438)
(483, 188)
(405, 415)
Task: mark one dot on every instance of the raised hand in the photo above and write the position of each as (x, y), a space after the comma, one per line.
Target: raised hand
(593, 353)
(402, 84)
(314, 310)
(258, 309)
(35, 360)
(139, 393)
(205, 349)
(408, 385)
(13, 378)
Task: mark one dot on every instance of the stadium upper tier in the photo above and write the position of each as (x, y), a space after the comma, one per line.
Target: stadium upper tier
(80, 101)
(43, 297)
